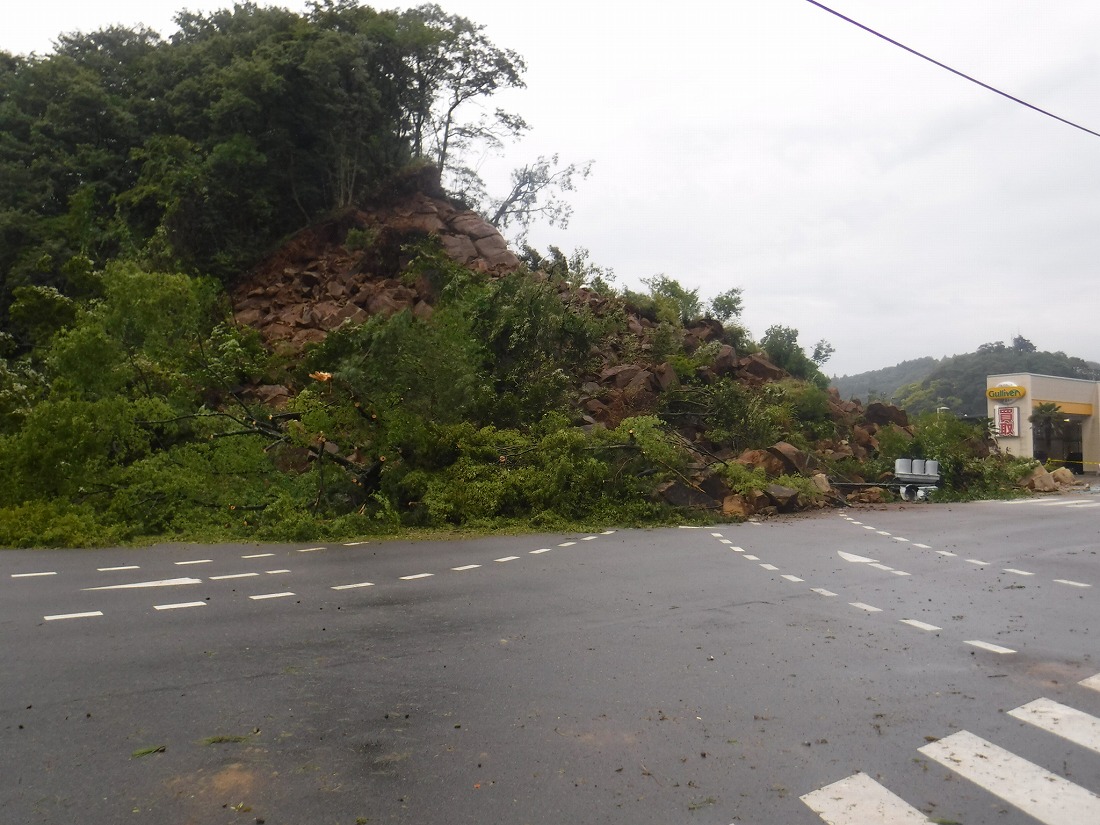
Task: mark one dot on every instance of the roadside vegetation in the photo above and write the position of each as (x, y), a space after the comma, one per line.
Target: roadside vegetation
(128, 403)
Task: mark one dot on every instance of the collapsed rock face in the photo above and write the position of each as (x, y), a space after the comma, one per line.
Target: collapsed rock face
(316, 282)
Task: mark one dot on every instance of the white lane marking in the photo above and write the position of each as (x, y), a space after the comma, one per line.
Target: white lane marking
(271, 596)
(867, 607)
(755, 523)
(233, 576)
(309, 549)
(567, 544)
(589, 538)
(852, 557)
(791, 578)
(717, 535)
(992, 648)
(736, 549)
(922, 546)
(1072, 583)
(135, 585)
(540, 550)
(860, 800)
(507, 558)
(899, 538)
(978, 562)
(726, 541)
(882, 532)
(112, 569)
(769, 567)
(857, 522)
(1084, 505)
(1018, 572)
(355, 543)
(32, 575)
(60, 616)
(1069, 723)
(178, 605)
(1092, 683)
(196, 561)
(690, 527)
(947, 553)
(608, 533)
(822, 591)
(868, 527)
(274, 572)
(900, 573)
(258, 556)
(416, 576)
(879, 566)
(353, 586)
(1037, 792)
(920, 625)
(466, 567)
(751, 558)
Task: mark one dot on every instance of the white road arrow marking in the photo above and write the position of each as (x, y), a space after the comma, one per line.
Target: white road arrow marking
(160, 583)
(854, 558)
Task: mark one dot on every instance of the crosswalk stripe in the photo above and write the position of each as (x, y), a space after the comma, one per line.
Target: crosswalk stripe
(1069, 723)
(1037, 792)
(860, 800)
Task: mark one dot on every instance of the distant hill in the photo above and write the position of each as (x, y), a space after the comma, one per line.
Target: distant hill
(883, 383)
(958, 382)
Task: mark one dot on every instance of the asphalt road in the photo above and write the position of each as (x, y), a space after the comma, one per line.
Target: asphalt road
(880, 666)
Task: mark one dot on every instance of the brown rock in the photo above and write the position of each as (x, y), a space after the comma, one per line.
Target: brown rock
(458, 248)
(667, 379)
(760, 367)
(785, 499)
(870, 495)
(679, 494)
(762, 458)
(1063, 476)
(879, 413)
(794, 460)
(1040, 481)
(737, 506)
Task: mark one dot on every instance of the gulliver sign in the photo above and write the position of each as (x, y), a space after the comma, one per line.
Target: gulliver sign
(1005, 393)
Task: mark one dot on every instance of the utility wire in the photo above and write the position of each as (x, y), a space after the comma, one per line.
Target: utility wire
(953, 71)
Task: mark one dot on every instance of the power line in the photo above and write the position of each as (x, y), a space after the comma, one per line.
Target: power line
(953, 71)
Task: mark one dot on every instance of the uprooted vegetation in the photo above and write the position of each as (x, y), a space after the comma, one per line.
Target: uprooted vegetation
(402, 381)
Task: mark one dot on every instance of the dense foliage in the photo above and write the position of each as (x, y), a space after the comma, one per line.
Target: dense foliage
(197, 153)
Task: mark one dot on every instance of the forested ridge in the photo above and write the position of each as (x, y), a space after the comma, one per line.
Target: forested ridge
(144, 179)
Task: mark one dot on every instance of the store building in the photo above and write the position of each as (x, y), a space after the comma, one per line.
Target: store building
(1066, 427)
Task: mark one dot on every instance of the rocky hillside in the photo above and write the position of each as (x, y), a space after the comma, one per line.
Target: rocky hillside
(352, 267)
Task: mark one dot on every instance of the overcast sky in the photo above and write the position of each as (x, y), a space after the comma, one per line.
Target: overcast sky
(854, 191)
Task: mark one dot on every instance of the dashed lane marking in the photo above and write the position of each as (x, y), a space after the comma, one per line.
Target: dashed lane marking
(608, 533)
(274, 572)
(737, 549)
(992, 648)
(922, 546)
(310, 549)
(33, 575)
(233, 576)
(882, 532)
(869, 608)
(567, 544)
(860, 800)
(947, 553)
(353, 586)
(113, 569)
(751, 558)
(1069, 723)
(258, 556)
(920, 625)
(466, 567)
(196, 561)
(271, 596)
(417, 576)
(978, 562)
(899, 538)
(769, 567)
(822, 591)
(539, 551)
(868, 527)
(1072, 583)
(726, 541)
(717, 535)
(507, 558)
(178, 605)
(590, 538)
(1017, 572)
(60, 616)
(881, 566)
(1036, 791)
(355, 543)
(900, 573)
(138, 585)
(791, 578)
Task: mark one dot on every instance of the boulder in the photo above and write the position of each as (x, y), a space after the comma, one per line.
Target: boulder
(795, 461)
(679, 494)
(1063, 476)
(785, 499)
(1039, 480)
(879, 413)
(752, 459)
(821, 482)
(870, 495)
(757, 366)
(737, 506)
